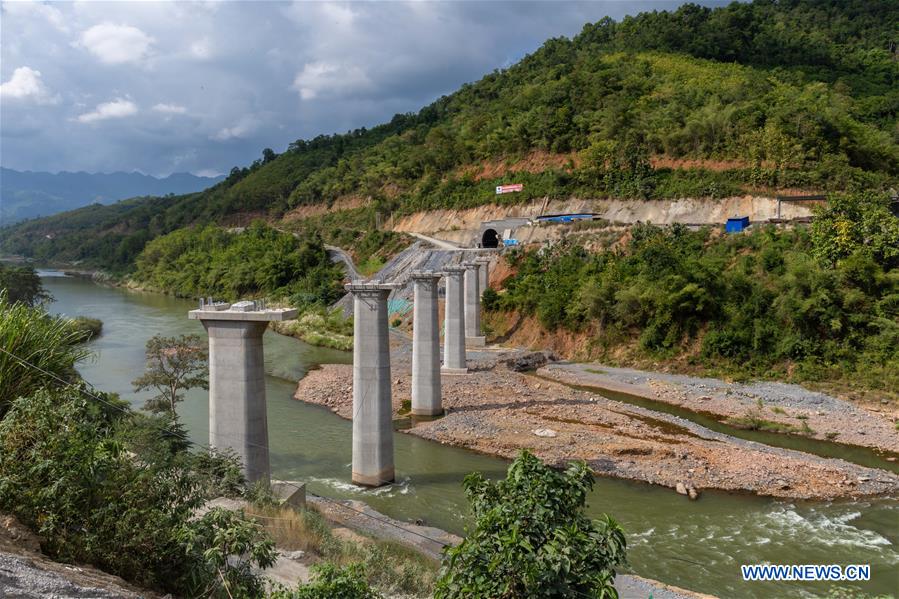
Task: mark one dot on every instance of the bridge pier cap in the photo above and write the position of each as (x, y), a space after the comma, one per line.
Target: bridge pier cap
(237, 406)
(373, 463)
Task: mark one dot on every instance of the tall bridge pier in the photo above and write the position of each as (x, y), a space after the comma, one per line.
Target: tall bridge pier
(454, 327)
(372, 409)
(237, 407)
(473, 335)
(426, 392)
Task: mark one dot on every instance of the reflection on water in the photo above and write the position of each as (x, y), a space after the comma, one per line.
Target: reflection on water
(697, 545)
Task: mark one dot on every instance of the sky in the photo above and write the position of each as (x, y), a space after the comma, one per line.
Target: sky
(162, 87)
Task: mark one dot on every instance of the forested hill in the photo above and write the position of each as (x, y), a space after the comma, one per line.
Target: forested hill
(697, 102)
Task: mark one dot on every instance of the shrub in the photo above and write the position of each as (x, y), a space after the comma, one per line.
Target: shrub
(332, 582)
(532, 539)
(48, 343)
(69, 470)
(87, 328)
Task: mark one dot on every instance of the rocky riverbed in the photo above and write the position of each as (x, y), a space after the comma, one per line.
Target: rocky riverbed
(499, 411)
(813, 414)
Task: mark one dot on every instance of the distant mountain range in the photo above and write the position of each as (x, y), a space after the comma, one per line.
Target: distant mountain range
(30, 194)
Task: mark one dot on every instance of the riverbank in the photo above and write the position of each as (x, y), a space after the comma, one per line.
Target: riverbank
(497, 411)
(781, 407)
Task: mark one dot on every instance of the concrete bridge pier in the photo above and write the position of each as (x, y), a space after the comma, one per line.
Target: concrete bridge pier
(484, 275)
(454, 324)
(237, 408)
(426, 399)
(473, 335)
(372, 408)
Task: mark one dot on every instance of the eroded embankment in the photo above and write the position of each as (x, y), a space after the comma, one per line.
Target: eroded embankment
(462, 225)
(499, 412)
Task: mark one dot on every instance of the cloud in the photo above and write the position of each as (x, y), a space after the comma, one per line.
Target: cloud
(244, 127)
(170, 109)
(39, 9)
(116, 109)
(116, 44)
(201, 49)
(26, 84)
(250, 75)
(323, 79)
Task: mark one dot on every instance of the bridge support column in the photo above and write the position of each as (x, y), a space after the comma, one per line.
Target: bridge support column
(372, 408)
(484, 275)
(473, 335)
(426, 399)
(237, 407)
(454, 324)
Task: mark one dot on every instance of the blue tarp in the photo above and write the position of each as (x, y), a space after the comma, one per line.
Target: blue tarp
(564, 218)
(736, 225)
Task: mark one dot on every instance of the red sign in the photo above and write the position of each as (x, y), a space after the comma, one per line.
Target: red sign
(509, 188)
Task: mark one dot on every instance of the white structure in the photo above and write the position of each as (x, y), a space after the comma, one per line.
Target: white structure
(237, 408)
(372, 407)
(426, 398)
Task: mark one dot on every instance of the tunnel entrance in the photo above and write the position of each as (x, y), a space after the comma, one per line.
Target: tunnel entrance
(490, 239)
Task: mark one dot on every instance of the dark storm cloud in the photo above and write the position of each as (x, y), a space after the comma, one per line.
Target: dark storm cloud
(200, 87)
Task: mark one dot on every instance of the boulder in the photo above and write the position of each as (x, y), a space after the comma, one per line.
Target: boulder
(530, 360)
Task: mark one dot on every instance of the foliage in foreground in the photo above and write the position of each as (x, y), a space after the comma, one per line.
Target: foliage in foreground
(48, 343)
(332, 582)
(69, 471)
(813, 306)
(532, 538)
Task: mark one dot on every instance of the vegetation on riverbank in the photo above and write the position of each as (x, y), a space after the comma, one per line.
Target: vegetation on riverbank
(696, 102)
(799, 305)
(88, 328)
(256, 262)
(319, 325)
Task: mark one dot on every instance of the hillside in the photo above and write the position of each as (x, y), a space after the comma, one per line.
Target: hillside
(30, 194)
(749, 98)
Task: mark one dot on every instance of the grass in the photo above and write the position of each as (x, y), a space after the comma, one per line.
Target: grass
(390, 567)
(87, 328)
(760, 424)
(370, 266)
(320, 326)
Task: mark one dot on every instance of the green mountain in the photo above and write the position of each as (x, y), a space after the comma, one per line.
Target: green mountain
(697, 102)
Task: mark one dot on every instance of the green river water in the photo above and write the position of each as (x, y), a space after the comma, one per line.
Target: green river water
(696, 545)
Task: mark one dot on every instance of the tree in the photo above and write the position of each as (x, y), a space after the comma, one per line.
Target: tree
(174, 364)
(22, 284)
(856, 222)
(532, 538)
(225, 552)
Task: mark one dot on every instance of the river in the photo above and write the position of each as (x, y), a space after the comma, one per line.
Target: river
(696, 545)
